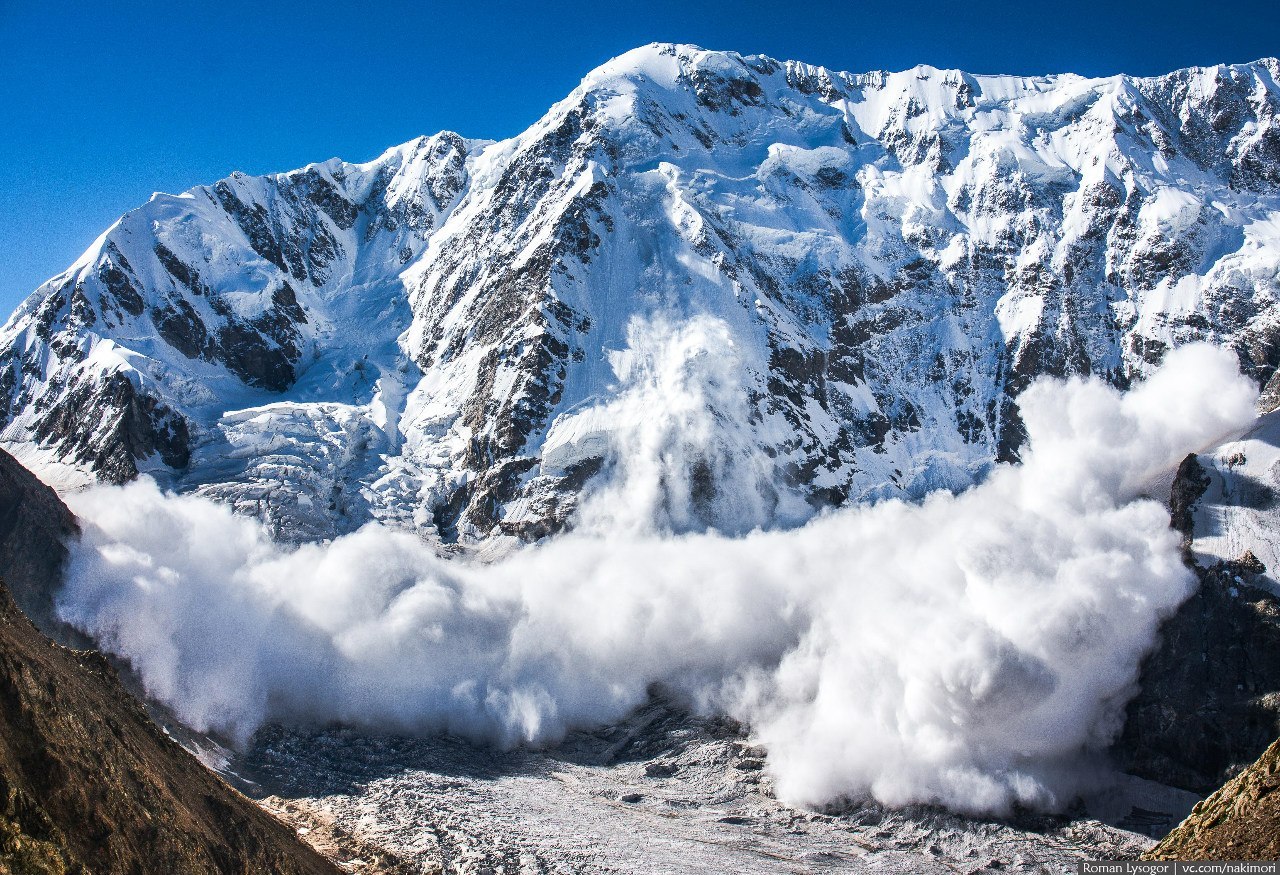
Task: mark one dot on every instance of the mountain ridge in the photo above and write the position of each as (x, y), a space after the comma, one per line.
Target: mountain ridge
(433, 339)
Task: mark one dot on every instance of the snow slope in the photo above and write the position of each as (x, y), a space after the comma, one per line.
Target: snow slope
(1239, 511)
(856, 272)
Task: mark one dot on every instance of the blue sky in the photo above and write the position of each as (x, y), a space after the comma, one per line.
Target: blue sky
(102, 103)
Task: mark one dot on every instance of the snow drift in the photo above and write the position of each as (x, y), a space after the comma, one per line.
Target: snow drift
(971, 650)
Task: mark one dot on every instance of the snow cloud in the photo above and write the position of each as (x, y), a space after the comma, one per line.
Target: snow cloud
(967, 650)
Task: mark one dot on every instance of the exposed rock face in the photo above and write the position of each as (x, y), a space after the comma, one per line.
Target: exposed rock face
(1189, 484)
(1241, 821)
(429, 338)
(87, 782)
(34, 528)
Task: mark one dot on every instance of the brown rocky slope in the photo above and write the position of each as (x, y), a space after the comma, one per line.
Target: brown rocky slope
(34, 528)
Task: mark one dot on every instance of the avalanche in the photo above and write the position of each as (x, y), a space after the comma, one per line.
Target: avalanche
(973, 650)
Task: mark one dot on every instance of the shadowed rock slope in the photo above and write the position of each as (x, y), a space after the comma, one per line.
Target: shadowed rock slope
(87, 782)
(34, 526)
(1239, 822)
(1209, 701)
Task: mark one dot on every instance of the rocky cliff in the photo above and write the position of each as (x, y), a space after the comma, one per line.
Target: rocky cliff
(34, 528)
(1209, 701)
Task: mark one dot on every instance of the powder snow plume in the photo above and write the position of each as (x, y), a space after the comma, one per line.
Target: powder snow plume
(970, 650)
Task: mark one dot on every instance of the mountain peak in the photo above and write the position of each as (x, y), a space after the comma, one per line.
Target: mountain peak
(664, 64)
(441, 338)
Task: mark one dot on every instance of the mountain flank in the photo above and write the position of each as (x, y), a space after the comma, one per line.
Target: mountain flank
(34, 528)
(88, 783)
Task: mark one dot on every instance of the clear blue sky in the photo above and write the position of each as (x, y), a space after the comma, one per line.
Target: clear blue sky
(104, 101)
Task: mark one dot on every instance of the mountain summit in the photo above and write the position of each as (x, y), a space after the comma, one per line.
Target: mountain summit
(846, 278)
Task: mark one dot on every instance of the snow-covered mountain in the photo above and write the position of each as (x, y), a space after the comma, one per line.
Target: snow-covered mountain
(857, 273)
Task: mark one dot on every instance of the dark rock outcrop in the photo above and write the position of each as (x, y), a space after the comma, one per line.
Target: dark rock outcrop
(34, 528)
(110, 425)
(1189, 484)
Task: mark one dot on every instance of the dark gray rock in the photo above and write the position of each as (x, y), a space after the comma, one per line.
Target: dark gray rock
(109, 425)
(35, 527)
